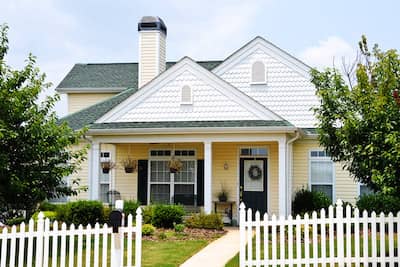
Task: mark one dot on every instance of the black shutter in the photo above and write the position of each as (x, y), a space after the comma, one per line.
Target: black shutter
(142, 181)
(200, 182)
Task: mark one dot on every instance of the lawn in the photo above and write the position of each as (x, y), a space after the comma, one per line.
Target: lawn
(234, 262)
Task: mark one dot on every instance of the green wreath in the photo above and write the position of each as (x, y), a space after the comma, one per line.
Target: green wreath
(255, 172)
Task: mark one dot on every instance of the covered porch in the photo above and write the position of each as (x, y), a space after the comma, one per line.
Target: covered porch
(253, 168)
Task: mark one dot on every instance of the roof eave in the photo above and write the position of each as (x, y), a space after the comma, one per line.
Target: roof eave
(82, 90)
(191, 130)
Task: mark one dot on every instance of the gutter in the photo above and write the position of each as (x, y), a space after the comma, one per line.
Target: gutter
(289, 171)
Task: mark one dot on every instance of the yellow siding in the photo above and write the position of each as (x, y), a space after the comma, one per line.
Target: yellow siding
(77, 102)
(345, 187)
(81, 176)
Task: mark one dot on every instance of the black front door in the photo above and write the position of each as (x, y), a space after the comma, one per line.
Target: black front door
(253, 184)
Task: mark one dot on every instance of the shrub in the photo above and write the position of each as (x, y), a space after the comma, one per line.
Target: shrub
(166, 215)
(14, 221)
(51, 215)
(179, 227)
(147, 214)
(306, 201)
(82, 212)
(379, 203)
(206, 221)
(162, 236)
(130, 207)
(148, 229)
(47, 206)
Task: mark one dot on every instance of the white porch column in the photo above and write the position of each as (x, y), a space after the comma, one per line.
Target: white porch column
(94, 170)
(207, 177)
(282, 177)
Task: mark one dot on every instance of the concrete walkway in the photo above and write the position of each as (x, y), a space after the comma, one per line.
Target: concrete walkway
(218, 252)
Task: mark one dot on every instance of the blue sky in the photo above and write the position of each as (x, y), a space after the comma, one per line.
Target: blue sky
(61, 33)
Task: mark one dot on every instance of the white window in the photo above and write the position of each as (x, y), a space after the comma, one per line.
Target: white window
(105, 178)
(322, 173)
(258, 73)
(254, 152)
(167, 187)
(186, 95)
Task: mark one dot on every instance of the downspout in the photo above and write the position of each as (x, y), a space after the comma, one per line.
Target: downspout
(289, 171)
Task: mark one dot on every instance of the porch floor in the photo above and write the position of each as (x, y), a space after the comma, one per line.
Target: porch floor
(218, 252)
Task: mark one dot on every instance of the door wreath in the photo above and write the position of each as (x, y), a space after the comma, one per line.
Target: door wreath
(255, 172)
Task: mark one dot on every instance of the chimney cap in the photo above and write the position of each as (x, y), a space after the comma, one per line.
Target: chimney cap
(152, 23)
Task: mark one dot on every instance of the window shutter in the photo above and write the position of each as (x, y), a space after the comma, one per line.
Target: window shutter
(142, 181)
(200, 182)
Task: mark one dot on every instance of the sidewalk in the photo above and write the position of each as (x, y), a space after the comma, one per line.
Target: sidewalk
(217, 253)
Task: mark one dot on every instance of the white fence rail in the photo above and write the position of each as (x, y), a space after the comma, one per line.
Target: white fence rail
(339, 239)
(48, 244)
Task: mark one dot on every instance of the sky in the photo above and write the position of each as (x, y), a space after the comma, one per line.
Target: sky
(64, 32)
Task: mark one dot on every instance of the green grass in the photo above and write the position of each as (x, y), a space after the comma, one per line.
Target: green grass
(234, 262)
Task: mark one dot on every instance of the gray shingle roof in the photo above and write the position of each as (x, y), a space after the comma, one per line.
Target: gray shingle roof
(109, 75)
(190, 124)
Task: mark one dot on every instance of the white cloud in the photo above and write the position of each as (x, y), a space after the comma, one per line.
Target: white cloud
(329, 53)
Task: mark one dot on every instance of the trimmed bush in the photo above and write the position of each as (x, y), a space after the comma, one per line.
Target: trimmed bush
(14, 221)
(148, 229)
(205, 221)
(379, 203)
(47, 206)
(166, 215)
(147, 214)
(306, 201)
(179, 227)
(81, 212)
(51, 215)
(130, 207)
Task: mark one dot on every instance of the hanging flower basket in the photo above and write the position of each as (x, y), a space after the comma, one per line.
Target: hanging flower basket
(130, 165)
(175, 165)
(106, 166)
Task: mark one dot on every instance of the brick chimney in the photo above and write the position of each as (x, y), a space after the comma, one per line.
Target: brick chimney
(152, 35)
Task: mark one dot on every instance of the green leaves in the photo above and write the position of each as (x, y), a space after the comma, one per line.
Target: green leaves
(360, 126)
(35, 153)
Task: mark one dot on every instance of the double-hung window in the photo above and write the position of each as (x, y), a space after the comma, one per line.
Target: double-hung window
(322, 173)
(105, 178)
(167, 187)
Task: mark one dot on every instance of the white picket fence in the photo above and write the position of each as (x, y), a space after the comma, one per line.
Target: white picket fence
(337, 240)
(43, 245)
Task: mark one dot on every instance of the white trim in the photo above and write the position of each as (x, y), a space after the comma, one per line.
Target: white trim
(189, 138)
(282, 180)
(323, 159)
(94, 170)
(158, 70)
(187, 64)
(140, 62)
(90, 90)
(191, 130)
(207, 177)
(268, 48)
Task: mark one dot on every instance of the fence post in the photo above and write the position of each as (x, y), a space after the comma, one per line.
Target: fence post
(340, 235)
(138, 238)
(116, 222)
(242, 230)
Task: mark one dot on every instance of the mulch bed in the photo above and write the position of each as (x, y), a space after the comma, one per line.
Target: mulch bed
(187, 234)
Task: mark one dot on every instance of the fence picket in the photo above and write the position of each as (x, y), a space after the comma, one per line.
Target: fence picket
(39, 240)
(391, 240)
(249, 237)
(258, 240)
(88, 244)
(331, 236)
(242, 229)
(31, 229)
(348, 235)
(63, 235)
(282, 239)
(323, 237)
(80, 245)
(4, 247)
(365, 238)
(273, 244)
(129, 245)
(13, 237)
(290, 240)
(314, 238)
(21, 244)
(373, 238)
(357, 237)
(306, 238)
(298, 238)
(54, 244)
(339, 233)
(138, 236)
(382, 249)
(96, 245)
(266, 240)
(104, 252)
(71, 245)
(45, 242)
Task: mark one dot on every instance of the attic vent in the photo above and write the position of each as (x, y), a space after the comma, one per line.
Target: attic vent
(258, 73)
(186, 95)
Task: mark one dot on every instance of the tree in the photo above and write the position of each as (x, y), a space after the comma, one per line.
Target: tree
(35, 150)
(359, 121)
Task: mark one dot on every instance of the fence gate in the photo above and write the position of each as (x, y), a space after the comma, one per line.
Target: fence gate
(50, 244)
(342, 238)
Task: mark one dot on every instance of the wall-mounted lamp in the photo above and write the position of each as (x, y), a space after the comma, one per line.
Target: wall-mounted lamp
(226, 166)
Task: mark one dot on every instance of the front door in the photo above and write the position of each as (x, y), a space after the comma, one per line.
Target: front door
(253, 183)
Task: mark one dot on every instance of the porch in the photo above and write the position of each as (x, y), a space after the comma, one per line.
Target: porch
(209, 164)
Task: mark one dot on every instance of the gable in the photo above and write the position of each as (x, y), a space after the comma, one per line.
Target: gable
(288, 91)
(213, 99)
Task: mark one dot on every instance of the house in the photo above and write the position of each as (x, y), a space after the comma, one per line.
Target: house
(243, 124)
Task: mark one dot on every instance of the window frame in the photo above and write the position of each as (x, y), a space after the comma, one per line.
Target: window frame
(171, 182)
(103, 159)
(264, 81)
(190, 102)
(359, 189)
(321, 159)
